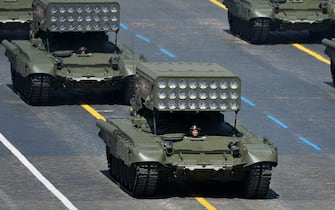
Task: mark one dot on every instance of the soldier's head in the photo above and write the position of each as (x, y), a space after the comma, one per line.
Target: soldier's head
(195, 131)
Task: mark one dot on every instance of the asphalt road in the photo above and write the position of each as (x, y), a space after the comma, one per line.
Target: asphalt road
(288, 96)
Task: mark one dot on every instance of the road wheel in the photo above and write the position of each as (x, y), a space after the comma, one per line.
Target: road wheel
(143, 179)
(232, 23)
(14, 79)
(128, 89)
(257, 181)
(109, 161)
(37, 89)
(259, 30)
(332, 71)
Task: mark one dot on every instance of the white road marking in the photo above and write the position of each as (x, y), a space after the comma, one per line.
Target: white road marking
(67, 203)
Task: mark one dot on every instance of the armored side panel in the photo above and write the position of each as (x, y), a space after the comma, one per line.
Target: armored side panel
(157, 142)
(254, 19)
(70, 48)
(330, 51)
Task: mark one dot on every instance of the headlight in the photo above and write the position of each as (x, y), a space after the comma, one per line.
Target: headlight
(105, 9)
(96, 9)
(79, 9)
(233, 105)
(80, 27)
(62, 10)
(53, 18)
(234, 95)
(71, 27)
(97, 26)
(233, 84)
(223, 95)
(203, 95)
(192, 94)
(172, 84)
(88, 9)
(203, 84)
(213, 105)
(80, 18)
(172, 94)
(113, 9)
(213, 95)
(62, 27)
(53, 10)
(62, 18)
(223, 106)
(88, 18)
(193, 84)
(88, 27)
(223, 84)
(202, 105)
(182, 84)
(213, 84)
(182, 94)
(96, 18)
(172, 105)
(161, 105)
(105, 27)
(114, 18)
(114, 26)
(161, 84)
(192, 105)
(182, 105)
(70, 9)
(105, 18)
(53, 27)
(70, 18)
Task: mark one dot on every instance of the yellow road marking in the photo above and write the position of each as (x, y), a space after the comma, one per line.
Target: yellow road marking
(205, 203)
(93, 112)
(219, 4)
(312, 53)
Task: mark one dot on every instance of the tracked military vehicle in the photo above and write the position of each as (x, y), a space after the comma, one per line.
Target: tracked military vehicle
(69, 49)
(178, 132)
(15, 14)
(330, 51)
(254, 19)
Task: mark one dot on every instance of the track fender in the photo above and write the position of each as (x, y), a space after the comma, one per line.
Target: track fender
(257, 153)
(146, 154)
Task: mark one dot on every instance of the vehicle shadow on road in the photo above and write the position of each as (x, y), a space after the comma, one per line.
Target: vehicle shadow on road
(77, 97)
(92, 97)
(288, 37)
(330, 84)
(196, 189)
(18, 34)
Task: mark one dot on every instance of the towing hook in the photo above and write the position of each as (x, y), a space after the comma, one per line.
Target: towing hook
(114, 62)
(59, 63)
(168, 147)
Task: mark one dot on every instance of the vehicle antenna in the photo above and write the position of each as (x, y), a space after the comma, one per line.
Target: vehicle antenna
(154, 121)
(234, 131)
(132, 48)
(47, 34)
(115, 42)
